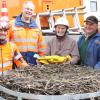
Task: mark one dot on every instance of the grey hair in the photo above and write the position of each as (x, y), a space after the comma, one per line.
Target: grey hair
(29, 4)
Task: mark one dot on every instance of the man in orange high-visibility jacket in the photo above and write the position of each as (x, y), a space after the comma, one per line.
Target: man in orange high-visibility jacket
(9, 53)
(26, 35)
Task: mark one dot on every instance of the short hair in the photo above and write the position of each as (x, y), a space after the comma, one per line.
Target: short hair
(29, 4)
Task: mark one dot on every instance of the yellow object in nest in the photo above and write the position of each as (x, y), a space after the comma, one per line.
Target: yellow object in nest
(54, 59)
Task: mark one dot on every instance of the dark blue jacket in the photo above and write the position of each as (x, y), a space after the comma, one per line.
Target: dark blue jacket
(92, 58)
(19, 22)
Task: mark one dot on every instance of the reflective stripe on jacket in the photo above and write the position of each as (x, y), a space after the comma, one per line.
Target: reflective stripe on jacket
(8, 56)
(27, 38)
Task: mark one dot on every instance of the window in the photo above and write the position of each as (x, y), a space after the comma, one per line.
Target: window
(93, 6)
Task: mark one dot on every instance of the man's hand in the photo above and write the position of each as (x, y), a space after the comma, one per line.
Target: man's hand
(24, 64)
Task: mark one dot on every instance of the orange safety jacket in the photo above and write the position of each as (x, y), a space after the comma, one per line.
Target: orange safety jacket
(28, 39)
(9, 54)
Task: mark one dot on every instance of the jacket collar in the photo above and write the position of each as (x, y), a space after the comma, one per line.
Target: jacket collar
(20, 23)
(92, 36)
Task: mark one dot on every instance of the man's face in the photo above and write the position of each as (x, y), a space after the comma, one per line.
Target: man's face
(60, 30)
(4, 27)
(3, 33)
(90, 28)
(27, 12)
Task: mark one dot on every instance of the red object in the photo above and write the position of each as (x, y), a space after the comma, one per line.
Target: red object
(4, 10)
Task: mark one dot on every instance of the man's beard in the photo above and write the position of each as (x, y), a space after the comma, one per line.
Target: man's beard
(60, 36)
(3, 40)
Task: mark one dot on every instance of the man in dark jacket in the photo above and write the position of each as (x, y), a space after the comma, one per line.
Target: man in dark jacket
(88, 44)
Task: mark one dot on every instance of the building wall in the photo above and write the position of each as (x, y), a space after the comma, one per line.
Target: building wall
(15, 6)
(88, 8)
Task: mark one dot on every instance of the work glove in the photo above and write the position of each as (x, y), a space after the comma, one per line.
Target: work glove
(37, 57)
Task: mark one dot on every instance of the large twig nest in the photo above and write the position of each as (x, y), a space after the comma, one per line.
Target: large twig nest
(53, 79)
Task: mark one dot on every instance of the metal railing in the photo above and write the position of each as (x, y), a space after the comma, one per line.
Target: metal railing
(74, 12)
(29, 96)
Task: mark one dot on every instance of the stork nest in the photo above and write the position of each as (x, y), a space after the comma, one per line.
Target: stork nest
(53, 79)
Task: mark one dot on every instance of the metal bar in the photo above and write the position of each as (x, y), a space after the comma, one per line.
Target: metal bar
(60, 13)
(50, 97)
